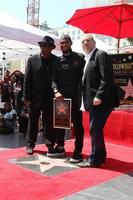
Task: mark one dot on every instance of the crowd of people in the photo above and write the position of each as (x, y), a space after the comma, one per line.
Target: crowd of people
(86, 79)
(12, 105)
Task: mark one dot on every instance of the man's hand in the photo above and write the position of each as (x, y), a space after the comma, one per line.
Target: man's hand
(59, 96)
(96, 101)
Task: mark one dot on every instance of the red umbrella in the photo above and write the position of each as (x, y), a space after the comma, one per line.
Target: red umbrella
(114, 20)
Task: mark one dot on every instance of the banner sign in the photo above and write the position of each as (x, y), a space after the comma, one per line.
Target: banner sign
(62, 113)
(123, 73)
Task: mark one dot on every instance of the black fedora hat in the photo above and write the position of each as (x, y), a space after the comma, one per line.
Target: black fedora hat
(47, 40)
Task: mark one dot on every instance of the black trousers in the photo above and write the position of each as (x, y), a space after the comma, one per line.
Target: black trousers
(98, 118)
(78, 130)
(51, 133)
(23, 123)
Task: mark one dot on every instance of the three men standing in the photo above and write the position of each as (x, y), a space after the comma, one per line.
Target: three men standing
(47, 77)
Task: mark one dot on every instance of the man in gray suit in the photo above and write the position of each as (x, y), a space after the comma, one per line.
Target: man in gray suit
(100, 96)
(38, 94)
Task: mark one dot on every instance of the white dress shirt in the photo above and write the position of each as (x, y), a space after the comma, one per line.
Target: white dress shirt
(87, 59)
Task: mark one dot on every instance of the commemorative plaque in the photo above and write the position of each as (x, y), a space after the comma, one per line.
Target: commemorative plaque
(62, 113)
(123, 74)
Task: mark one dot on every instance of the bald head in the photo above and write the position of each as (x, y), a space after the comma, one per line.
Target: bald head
(88, 43)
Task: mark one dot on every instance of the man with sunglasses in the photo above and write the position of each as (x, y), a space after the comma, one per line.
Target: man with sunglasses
(38, 94)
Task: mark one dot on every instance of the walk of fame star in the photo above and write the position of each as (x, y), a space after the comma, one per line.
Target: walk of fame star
(45, 165)
(128, 89)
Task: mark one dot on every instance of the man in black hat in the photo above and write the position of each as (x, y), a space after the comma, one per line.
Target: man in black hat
(68, 81)
(38, 94)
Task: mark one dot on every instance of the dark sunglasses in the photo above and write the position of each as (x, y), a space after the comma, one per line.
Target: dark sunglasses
(42, 46)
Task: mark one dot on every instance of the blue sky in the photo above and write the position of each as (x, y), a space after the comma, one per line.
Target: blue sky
(56, 12)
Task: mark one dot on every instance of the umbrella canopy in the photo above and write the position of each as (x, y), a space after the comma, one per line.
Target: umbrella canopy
(20, 40)
(115, 20)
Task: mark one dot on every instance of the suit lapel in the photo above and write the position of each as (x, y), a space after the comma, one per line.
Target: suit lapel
(89, 63)
(39, 64)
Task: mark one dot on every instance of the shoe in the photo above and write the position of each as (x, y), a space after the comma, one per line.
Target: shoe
(76, 158)
(88, 163)
(57, 152)
(29, 150)
(51, 151)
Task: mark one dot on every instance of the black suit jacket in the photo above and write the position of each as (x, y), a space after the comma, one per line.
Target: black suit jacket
(38, 79)
(99, 82)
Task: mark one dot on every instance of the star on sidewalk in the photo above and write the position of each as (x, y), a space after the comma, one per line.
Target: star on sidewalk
(45, 163)
(128, 89)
